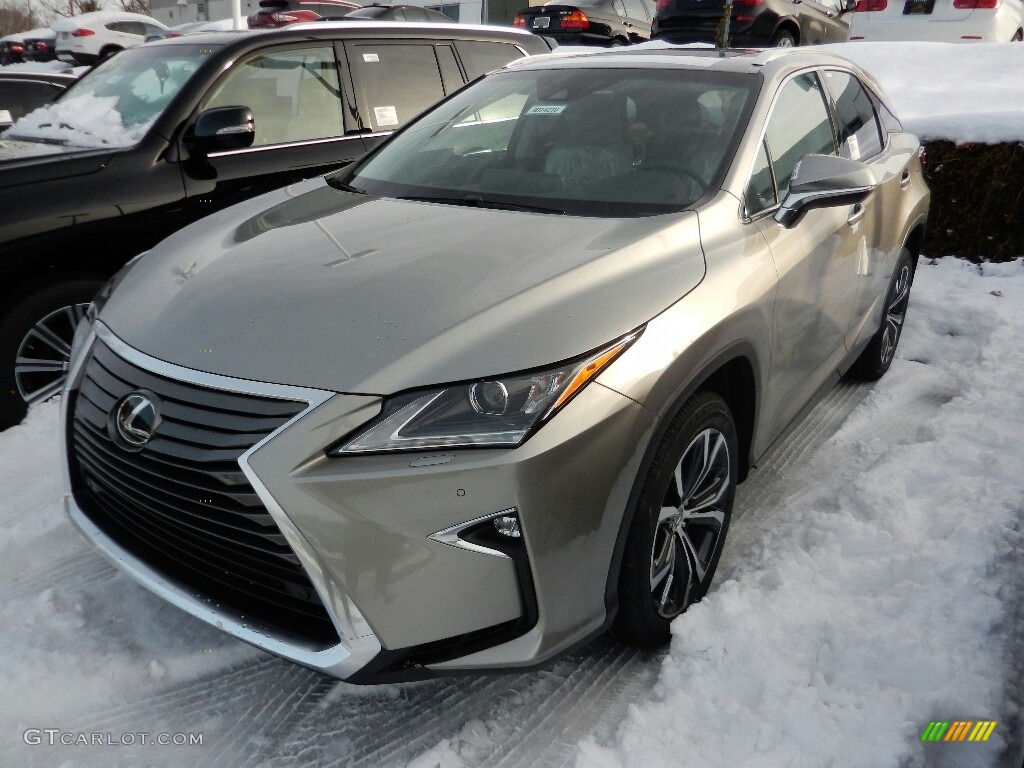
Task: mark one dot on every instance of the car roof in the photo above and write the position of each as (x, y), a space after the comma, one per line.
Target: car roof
(660, 55)
(340, 29)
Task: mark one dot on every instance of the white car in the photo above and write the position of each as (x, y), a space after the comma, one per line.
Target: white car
(90, 37)
(945, 21)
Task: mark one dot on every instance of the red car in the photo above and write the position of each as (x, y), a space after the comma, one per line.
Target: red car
(281, 13)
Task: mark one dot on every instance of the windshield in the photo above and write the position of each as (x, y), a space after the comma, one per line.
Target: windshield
(590, 142)
(114, 104)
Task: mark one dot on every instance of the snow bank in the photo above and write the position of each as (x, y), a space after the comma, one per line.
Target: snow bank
(872, 599)
(947, 91)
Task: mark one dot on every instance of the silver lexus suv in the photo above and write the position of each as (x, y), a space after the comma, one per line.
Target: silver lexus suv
(489, 391)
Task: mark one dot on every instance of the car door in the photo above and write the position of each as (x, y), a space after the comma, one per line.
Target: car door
(816, 259)
(296, 95)
(834, 24)
(638, 20)
(862, 137)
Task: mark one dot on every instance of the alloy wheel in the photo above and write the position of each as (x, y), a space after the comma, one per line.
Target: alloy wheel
(41, 365)
(690, 523)
(896, 314)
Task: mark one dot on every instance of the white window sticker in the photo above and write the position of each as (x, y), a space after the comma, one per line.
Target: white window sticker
(371, 57)
(385, 116)
(854, 145)
(546, 109)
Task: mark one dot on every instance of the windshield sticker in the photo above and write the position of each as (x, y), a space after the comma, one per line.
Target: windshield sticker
(385, 116)
(371, 57)
(546, 109)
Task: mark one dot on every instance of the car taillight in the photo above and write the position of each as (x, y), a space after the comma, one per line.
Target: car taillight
(17, 48)
(871, 5)
(972, 5)
(42, 47)
(82, 33)
(293, 17)
(519, 21)
(575, 20)
(663, 4)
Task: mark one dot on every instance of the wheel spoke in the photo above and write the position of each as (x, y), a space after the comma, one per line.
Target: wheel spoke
(50, 338)
(664, 561)
(697, 568)
(25, 365)
(49, 390)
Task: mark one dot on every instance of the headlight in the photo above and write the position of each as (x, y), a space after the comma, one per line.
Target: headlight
(495, 413)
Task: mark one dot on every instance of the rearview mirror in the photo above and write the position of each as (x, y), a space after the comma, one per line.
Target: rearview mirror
(823, 181)
(222, 129)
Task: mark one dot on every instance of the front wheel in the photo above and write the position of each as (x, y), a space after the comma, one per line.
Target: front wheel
(876, 358)
(35, 345)
(679, 524)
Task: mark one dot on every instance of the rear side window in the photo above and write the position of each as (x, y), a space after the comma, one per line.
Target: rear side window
(799, 125)
(860, 135)
(395, 82)
(479, 58)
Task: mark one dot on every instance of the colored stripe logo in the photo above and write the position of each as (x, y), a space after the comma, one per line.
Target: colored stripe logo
(958, 730)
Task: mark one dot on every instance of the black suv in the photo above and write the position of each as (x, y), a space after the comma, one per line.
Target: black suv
(754, 23)
(206, 121)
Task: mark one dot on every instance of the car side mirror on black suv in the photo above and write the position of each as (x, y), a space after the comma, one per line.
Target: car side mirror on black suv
(221, 129)
(823, 181)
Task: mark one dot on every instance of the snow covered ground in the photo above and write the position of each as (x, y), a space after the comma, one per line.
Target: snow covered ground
(872, 582)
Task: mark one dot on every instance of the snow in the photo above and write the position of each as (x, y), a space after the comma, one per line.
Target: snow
(869, 585)
(82, 120)
(963, 93)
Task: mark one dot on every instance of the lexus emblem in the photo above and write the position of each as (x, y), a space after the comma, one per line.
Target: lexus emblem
(135, 419)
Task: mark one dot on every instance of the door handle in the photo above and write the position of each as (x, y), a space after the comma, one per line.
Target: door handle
(905, 179)
(856, 214)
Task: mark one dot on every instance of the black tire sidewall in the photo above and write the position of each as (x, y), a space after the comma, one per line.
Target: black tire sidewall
(16, 324)
(637, 622)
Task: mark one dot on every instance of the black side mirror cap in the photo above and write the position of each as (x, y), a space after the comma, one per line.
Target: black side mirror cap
(824, 181)
(222, 129)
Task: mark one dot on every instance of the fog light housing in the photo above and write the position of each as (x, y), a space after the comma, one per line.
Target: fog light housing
(508, 525)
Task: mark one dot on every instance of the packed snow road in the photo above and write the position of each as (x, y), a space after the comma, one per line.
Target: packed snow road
(872, 583)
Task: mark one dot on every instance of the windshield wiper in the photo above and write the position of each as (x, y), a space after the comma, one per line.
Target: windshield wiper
(343, 186)
(475, 201)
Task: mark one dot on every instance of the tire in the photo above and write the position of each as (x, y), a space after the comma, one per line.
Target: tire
(876, 358)
(670, 556)
(783, 39)
(616, 42)
(40, 327)
(107, 52)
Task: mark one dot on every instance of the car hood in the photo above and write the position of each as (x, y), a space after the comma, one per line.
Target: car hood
(317, 287)
(28, 162)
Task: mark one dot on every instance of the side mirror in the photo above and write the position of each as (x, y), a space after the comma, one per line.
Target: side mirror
(221, 129)
(824, 181)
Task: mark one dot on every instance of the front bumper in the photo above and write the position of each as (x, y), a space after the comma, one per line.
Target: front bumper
(404, 600)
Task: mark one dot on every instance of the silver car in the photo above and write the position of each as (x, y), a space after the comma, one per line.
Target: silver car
(489, 391)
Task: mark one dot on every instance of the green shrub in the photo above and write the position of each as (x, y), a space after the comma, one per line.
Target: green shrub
(977, 210)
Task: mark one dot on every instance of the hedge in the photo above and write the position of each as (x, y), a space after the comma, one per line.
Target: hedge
(977, 209)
